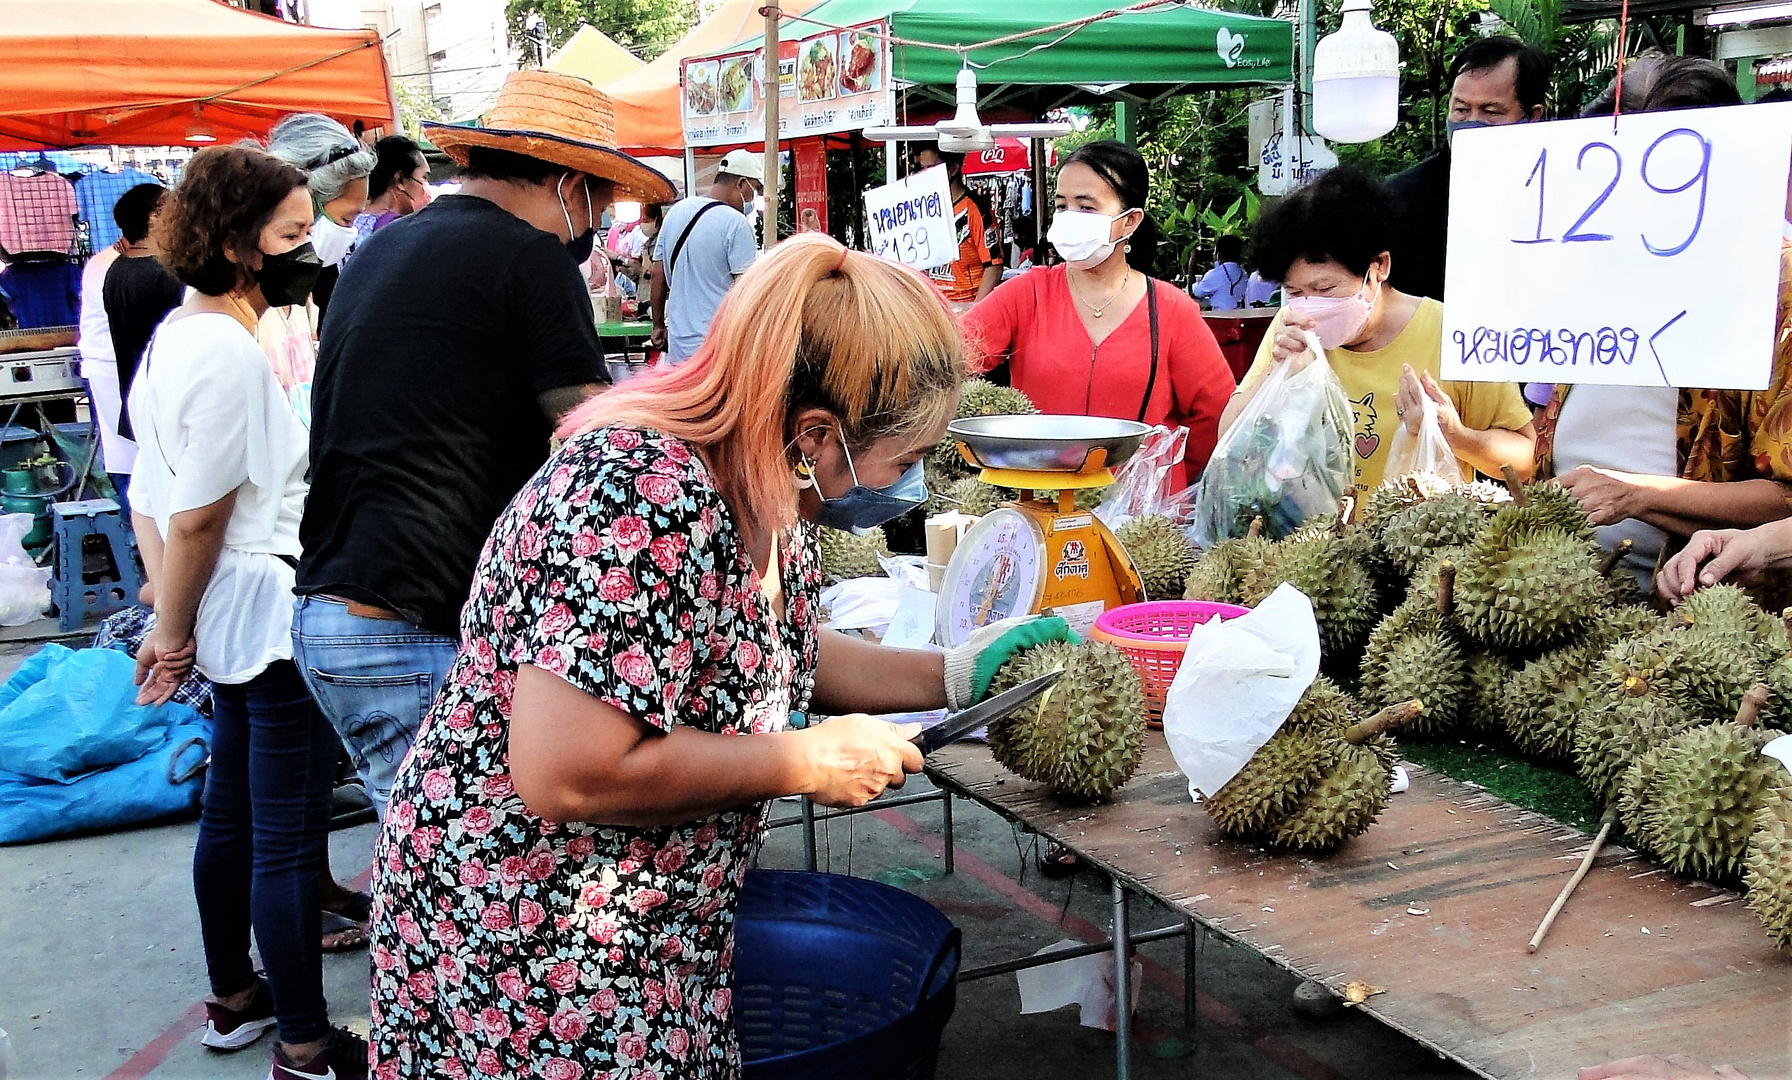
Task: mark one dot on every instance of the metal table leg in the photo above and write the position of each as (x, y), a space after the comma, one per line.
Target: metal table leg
(1189, 969)
(946, 812)
(1122, 986)
(808, 834)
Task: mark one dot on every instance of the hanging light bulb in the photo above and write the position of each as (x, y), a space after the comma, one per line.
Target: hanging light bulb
(199, 131)
(965, 133)
(1356, 79)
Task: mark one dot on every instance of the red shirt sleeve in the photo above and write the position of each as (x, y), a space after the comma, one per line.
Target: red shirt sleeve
(989, 327)
(1199, 377)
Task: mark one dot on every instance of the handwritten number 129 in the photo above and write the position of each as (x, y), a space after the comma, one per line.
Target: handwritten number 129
(1701, 177)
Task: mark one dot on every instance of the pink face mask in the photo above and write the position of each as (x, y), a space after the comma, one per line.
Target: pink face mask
(1338, 319)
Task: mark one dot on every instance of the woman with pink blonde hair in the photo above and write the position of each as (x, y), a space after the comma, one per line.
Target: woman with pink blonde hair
(556, 884)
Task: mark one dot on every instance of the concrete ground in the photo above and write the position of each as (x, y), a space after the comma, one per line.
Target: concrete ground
(103, 971)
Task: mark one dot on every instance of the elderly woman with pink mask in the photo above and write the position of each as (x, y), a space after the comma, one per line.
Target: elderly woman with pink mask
(1328, 246)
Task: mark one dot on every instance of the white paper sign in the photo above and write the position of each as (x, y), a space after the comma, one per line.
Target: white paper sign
(910, 221)
(1647, 255)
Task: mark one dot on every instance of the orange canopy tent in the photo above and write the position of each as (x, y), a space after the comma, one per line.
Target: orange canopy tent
(646, 101)
(151, 72)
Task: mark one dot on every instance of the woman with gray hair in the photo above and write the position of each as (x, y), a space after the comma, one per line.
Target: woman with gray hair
(336, 167)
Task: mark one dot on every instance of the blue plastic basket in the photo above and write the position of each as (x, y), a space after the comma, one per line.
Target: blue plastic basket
(840, 977)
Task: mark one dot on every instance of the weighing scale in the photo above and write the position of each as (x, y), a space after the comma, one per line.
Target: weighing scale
(1036, 555)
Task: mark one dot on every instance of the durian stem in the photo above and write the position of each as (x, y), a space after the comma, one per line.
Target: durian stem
(1586, 864)
(1615, 556)
(1256, 528)
(1446, 589)
(1752, 704)
(1391, 717)
(1514, 485)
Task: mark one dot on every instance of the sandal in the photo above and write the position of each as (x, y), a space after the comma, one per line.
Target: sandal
(1057, 861)
(342, 935)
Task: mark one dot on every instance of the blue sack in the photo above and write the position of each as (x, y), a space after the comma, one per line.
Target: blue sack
(165, 782)
(66, 713)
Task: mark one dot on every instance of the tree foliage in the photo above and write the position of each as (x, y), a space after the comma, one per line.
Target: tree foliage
(646, 28)
(415, 108)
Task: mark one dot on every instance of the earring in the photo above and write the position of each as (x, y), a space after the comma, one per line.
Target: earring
(805, 474)
(1128, 248)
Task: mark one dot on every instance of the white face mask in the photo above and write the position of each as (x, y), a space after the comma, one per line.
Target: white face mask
(330, 240)
(1082, 236)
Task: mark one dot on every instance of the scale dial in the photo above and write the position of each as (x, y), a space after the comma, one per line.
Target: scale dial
(997, 571)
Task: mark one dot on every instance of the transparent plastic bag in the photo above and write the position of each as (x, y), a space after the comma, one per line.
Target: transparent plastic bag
(24, 586)
(1141, 486)
(1426, 453)
(1286, 459)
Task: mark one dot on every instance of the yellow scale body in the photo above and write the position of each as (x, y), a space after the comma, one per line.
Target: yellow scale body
(1034, 555)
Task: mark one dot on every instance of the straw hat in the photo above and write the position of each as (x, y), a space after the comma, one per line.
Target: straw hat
(557, 118)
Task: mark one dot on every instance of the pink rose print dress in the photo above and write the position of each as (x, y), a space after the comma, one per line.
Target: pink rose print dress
(506, 945)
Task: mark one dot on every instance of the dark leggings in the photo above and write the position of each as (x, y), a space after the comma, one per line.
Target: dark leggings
(265, 816)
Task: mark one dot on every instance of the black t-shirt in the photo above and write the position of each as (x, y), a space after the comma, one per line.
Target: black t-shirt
(1422, 201)
(442, 331)
(138, 293)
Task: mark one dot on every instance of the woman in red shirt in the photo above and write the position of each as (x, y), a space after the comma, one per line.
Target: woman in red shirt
(1097, 335)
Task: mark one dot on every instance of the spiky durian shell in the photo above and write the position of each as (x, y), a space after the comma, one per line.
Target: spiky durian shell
(1385, 501)
(1271, 784)
(846, 555)
(1325, 707)
(1341, 589)
(1411, 536)
(1489, 676)
(1727, 614)
(967, 495)
(1083, 737)
(1417, 616)
(1691, 801)
(1160, 553)
(1613, 625)
(1421, 590)
(1427, 664)
(1705, 673)
(1085, 498)
(1525, 589)
(1546, 697)
(1550, 505)
(1221, 571)
(1767, 869)
(1613, 730)
(978, 397)
(1344, 803)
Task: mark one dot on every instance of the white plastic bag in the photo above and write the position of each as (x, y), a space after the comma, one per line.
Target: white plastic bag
(1142, 485)
(1238, 681)
(24, 586)
(1285, 459)
(1424, 453)
(1087, 981)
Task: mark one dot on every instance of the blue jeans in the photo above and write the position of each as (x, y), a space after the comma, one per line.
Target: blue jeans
(264, 818)
(374, 678)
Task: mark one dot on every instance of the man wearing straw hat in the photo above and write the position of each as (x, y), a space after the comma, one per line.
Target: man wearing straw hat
(457, 338)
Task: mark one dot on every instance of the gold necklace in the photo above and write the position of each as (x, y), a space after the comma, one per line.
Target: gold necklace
(1124, 282)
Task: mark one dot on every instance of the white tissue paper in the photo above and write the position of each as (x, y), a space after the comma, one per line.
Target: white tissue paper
(1780, 749)
(1087, 981)
(1238, 681)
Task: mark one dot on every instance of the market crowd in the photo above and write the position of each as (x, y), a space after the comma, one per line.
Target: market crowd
(393, 511)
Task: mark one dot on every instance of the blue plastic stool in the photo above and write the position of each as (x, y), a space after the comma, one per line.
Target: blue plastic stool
(74, 595)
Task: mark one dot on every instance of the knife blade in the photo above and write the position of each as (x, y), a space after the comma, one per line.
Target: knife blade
(964, 722)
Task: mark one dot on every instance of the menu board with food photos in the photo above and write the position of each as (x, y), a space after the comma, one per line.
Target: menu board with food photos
(835, 80)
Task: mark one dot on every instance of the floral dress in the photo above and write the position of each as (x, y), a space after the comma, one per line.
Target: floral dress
(507, 945)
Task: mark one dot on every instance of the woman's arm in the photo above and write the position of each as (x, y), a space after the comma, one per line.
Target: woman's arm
(989, 327)
(853, 675)
(574, 758)
(1680, 507)
(149, 545)
(1734, 554)
(188, 557)
(1488, 450)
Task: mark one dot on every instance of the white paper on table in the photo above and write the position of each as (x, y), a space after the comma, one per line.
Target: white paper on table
(1087, 981)
(913, 624)
(860, 604)
(1238, 682)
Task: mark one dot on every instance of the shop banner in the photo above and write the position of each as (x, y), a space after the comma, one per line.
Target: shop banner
(910, 221)
(1644, 252)
(837, 80)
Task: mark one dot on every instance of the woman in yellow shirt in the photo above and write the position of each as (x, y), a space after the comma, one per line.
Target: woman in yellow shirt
(1327, 244)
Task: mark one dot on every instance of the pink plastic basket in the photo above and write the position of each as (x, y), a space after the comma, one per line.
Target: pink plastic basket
(1153, 636)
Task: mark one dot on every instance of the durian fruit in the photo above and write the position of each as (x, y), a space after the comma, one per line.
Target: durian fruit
(1615, 624)
(1390, 498)
(1221, 571)
(1354, 790)
(1415, 654)
(1084, 499)
(1691, 800)
(1409, 537)
(1545, 699)
(1083, 737)
(979, 397)
(846, 555)
(1612, 731)
(1727, 614)
(1489, 676)
(1339, 585)
(1522, 587)
(1767, 868)
(1545, 503)
(1293, 760)
(1488, 495)
(967, 495)
(1159, 552)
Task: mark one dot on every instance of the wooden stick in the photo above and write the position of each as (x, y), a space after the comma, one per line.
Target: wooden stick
(1256, 528)
(1752, 704)
(1514, 485)
(1615, 556)
(1586, 864)
(1446, 589)
(1391, 717)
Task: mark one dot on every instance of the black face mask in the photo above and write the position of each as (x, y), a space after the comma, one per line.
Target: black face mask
(581, 248)
(287, 278)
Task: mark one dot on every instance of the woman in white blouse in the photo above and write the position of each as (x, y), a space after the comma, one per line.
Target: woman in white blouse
(217, 496)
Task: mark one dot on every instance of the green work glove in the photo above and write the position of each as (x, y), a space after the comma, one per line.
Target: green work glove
(971, 667)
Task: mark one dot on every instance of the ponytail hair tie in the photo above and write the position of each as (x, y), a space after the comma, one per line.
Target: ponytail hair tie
(840, 267)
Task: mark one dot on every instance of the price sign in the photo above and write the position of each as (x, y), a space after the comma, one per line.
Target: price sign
(1645, 254)
(910, 221)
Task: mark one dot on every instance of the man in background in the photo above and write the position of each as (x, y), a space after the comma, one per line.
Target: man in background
(139, 293)
(704, 243)
(1223, 287)
(1495, 81)
(977, 269)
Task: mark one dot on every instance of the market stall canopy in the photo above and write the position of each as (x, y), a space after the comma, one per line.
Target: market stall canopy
(647, 101)
(1144, 55)
(148, 72)
(593, 56)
